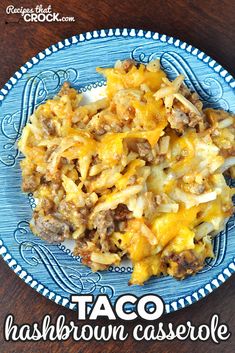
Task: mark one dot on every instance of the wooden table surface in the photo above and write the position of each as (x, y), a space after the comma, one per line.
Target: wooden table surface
(208, 25)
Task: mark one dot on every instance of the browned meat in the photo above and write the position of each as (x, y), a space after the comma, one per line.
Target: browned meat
(81, 250)
(142, 147)
(30, 182)
(104, 223)
(103, 226)
(51, 228)
(184, 264)
(128, 64)
(194, 98)
(48, 126)
(227, 152)
(178, 119)
(47, 205)
(145, 151)
(184, 91)
(86, 258)
(99, 124)
(66, 208)
(121, 213)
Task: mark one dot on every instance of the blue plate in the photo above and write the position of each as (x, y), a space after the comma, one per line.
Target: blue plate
(52, 270)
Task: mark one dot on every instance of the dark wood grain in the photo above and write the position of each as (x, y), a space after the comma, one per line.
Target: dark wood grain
(208, 25)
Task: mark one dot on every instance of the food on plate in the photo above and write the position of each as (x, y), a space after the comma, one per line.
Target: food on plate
(138, 173)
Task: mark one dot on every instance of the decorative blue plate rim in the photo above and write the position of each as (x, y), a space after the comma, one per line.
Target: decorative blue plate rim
(225, 272)
(117, 32)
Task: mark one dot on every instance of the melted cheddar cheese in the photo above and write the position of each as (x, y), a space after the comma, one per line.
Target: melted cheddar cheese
(136, 174)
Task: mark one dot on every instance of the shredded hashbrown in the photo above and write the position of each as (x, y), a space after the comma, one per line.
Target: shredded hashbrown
(137, 174)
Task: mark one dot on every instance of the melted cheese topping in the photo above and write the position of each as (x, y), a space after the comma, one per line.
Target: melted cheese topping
(137, 174)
